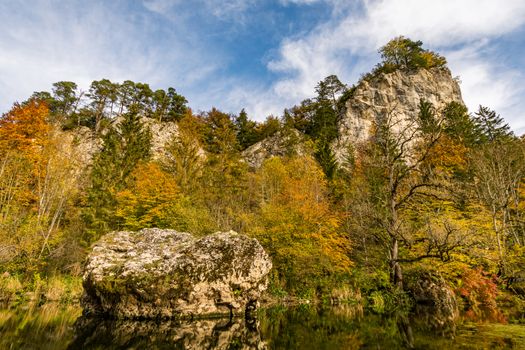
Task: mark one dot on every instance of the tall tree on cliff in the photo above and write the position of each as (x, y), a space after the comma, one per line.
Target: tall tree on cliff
(124, 147)
(224, 172)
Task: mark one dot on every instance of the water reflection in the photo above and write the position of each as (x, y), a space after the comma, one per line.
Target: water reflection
(303, 327)
(217, 334)
(42, 328)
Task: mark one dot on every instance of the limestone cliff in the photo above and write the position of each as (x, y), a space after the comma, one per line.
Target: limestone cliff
(283, 143)
(398, 93)
(89, 144)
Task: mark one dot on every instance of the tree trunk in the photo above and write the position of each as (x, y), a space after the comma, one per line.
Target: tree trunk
(396, 274)
(501, 254)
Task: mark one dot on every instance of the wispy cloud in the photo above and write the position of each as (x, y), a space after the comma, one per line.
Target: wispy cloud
(224, 10)
(42, 43)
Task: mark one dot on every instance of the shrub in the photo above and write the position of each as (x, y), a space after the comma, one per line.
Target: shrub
(479, 290)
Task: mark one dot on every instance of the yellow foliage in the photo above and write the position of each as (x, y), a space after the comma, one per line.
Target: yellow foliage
(151, 194)
(154, 200)
(38, 179)
(296, 223)
(448, 155)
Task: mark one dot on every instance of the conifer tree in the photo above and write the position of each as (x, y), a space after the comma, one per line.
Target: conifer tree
(490, 126)
(246, 130)
(124, 147)
(458, 124)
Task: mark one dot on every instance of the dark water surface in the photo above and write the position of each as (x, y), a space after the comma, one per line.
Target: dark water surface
(56, 327)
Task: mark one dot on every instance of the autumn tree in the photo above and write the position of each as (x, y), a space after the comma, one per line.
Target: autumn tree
(153, 199)
(184, 154)
(297, 225)
(38, 179)
(499, 169)
(396, 173)
(224, 176)
(23, 137)
(403, 53)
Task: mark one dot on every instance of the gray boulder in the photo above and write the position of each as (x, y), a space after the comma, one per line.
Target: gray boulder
(156, 273)
(435, 301)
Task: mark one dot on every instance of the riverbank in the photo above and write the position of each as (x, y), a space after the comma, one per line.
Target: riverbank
(17, 292)
(36, 291)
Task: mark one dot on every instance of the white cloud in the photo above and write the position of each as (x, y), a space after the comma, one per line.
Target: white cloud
(442, 25)
(488, 83)
(70, 44)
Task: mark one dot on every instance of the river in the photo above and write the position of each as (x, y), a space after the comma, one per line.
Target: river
(302, 327)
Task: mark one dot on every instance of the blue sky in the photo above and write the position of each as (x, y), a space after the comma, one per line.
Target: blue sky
(254, 54)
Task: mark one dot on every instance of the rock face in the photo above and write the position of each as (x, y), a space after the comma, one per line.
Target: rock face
(398, 93)
(156, 273)
(280, 144)
(435, 301)
(86, 141)
(161, 134)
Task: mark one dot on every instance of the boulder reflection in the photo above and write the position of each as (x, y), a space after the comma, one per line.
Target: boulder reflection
(235, 333)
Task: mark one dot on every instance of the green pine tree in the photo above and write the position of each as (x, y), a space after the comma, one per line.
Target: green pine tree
(490, 126)
(124, 147)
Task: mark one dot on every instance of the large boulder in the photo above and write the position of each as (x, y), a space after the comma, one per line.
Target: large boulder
(435, 301)
(156, 273)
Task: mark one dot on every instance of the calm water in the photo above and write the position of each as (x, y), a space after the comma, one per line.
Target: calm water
(53, 327)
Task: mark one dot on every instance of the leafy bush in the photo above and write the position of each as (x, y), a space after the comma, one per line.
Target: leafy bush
(479, 290)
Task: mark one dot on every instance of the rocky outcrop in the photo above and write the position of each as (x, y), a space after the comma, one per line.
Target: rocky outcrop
(161, 134)
(156, 273)
(398, 94)
(434, 300)
(283, 143)
(85, 140)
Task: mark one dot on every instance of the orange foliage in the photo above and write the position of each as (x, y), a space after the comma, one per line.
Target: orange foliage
(24, 135)
(479, 290)
(296, 213)
(448, 155)
(25, 128)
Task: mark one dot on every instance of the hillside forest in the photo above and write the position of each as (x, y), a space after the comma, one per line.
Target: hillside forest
(445, 195)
